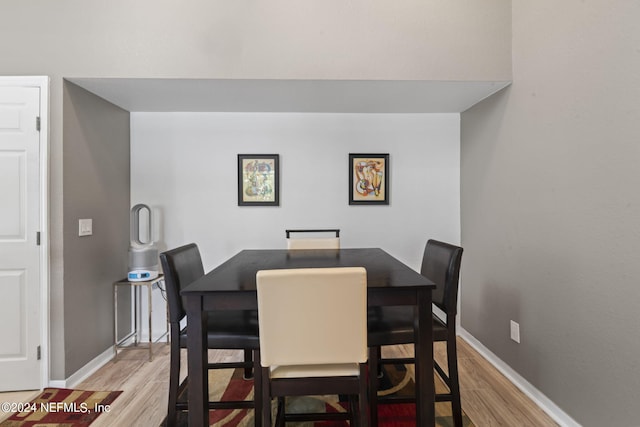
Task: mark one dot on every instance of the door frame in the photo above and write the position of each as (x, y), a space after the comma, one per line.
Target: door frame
(41, 82)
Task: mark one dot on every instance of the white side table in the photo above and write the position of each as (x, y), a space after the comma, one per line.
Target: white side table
(137, 332)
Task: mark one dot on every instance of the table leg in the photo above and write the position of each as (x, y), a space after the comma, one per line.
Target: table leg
(197, 362)
(149, 287)
(166, 308)
(425, 390)
(136, 301)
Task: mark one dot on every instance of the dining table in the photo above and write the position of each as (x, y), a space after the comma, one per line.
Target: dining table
(232, 286)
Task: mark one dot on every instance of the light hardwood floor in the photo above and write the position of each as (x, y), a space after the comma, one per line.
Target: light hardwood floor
(488, 398)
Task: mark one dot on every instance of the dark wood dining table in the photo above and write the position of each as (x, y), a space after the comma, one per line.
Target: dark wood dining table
(232, 285)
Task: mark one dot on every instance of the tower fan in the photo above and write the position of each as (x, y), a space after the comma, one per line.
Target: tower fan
(143, 255)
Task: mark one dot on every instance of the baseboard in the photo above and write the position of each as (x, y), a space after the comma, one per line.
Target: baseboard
(84, 372)
(519, 381)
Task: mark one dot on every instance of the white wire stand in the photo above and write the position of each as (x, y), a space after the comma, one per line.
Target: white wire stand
(136, 334)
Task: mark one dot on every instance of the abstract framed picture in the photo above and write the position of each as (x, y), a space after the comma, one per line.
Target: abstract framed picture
(369, 179)
(258, 180)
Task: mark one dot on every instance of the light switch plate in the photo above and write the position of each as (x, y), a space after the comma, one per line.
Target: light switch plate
(85, 227)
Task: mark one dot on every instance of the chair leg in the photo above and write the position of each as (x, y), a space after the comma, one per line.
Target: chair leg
(174, 376)
(248, 358)
(373, 385)
(257, 389)
(266, 398)
(363, 410)
(353, 411)
(281, 412)
(454, 385)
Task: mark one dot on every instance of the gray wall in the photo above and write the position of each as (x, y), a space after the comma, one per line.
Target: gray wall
(284, 39)
(97, 186)
(551, 208)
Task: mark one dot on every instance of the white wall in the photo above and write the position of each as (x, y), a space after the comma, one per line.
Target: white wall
(184, 165)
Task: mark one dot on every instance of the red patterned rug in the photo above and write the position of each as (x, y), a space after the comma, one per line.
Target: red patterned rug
(230, 385)
(60, 407)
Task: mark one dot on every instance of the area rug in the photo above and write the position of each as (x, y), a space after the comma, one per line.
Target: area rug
(230, 385)
(60, 407)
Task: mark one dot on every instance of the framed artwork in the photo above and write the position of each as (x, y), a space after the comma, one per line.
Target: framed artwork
(369, 179)
(258, 180)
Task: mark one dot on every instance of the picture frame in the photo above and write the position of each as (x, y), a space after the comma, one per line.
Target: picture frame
(258, 180)
(369, 179)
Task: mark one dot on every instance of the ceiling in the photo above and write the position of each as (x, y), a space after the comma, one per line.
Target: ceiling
(307, 96)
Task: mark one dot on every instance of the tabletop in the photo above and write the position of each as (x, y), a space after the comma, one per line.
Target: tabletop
(239, 272)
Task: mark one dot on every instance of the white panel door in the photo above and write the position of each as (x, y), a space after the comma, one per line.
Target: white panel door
(19, 253)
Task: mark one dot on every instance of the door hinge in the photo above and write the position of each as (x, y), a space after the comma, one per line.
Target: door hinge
(38, 123)
(39, 352)
(38, 238)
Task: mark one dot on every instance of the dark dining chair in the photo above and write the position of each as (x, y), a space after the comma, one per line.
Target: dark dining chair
(319, 238)
(226, 329)
(313, 339)
(395, 325)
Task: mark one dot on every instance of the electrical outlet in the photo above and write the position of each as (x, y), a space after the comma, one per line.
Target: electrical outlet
(515, 331)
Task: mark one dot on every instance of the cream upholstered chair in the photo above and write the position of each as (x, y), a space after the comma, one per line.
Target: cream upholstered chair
(313, 338)
(328, 238)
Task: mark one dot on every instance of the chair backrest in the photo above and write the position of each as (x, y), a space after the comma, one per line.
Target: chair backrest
(312, 316)
(441, 264)
(307, 242)
(181, 267)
